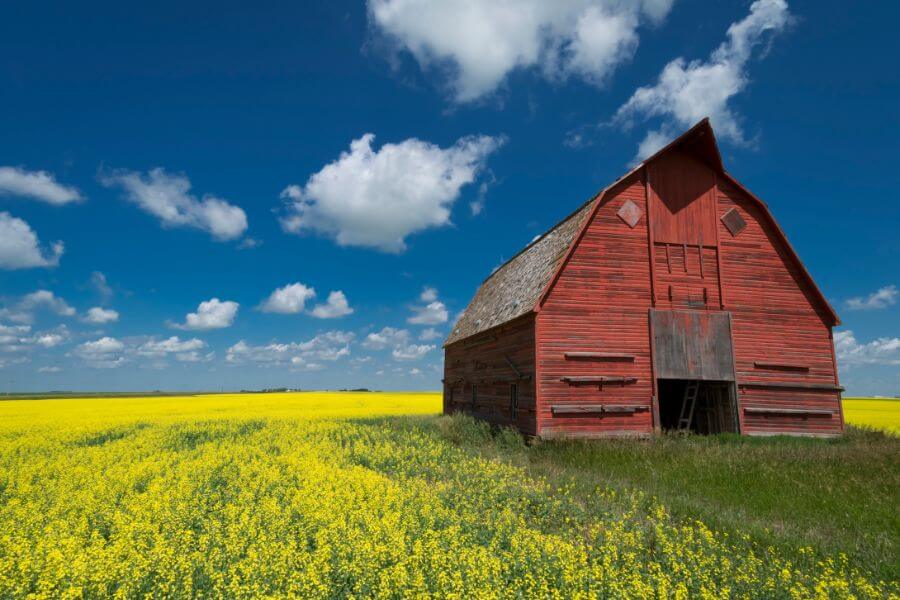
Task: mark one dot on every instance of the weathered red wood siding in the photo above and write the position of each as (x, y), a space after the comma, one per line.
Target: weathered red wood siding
(599, 303)
(484, 360)
(777, 320)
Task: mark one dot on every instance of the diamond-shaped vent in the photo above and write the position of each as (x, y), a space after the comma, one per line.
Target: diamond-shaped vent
(630, 213)
(734, 222)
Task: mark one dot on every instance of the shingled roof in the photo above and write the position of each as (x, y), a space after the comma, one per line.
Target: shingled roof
(513, 289)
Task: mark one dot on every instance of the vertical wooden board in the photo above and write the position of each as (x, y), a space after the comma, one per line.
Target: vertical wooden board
(682, 193)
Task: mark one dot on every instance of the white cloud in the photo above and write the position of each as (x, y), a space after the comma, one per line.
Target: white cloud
(49, 370)
(290, 299)
(385, 338)
(688, 91)
(49, 340)
(23, 311)
(883, 351)
(101, 286)
(39, 185)
(336, 306)
(167, 197)
(375, 199)
(20, 247)
(433, 313)
(211, 314)
(171, 345)
(412, 351)
(429, 334)
(884, 297)
(103, 353)
(328, 346)
(18, 338)
(478, 43)
(194, 357)
(429, 294)
(99, 315)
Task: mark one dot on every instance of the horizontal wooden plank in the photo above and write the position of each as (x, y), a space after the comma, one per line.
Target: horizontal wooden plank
(599, 356)
(826, 387)
(576, 379)
(575, 409)
(780, 366)
(763, 410)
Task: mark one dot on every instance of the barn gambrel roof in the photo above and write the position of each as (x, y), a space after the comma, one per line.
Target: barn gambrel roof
(519, 285)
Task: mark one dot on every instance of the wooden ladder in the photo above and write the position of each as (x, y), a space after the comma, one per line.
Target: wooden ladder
(691, 391)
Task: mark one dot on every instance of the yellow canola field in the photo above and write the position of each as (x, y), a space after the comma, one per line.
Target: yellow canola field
(875, 413)
(326, 495)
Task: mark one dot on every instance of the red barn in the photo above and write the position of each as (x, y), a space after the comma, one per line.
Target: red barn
(669, 301)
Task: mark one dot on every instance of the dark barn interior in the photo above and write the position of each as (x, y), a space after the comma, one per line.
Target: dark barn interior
(704, 407)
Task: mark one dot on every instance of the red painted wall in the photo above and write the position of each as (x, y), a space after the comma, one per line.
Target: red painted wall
(776, 319)
(482, 360)
(599, 303)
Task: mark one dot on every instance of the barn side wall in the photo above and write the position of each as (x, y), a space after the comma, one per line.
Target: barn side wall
(781, 332)
(599, 304)
(492, 361)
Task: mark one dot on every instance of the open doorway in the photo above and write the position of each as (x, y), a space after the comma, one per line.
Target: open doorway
(704, 407)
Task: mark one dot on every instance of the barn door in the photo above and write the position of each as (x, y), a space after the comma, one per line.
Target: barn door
(693, 345)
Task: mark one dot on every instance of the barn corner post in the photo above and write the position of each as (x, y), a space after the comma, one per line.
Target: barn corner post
(654, 397)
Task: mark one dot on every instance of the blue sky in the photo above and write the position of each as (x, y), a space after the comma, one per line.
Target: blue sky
(214, 196)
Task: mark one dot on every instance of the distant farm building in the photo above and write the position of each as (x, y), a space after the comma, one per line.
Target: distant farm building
(670, 301)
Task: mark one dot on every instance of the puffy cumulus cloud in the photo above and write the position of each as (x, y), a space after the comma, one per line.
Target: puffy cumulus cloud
(24, 309)
(385, 338)
(688, 91)
(881, 351)
(172, 345)
(478, 43)
(211, 314)
(412, 351)
(168, 198)
(10, 334)
(38, 185)
(376, 198)
(884, 297)
(336, 306)
(149, 352)
(399, 341)
(329, 346)
(433, 313)
(99, 315)
(429, 334)
(103, 353)
(292, 299)
(288, 300)
(19, 338)
(20, 247)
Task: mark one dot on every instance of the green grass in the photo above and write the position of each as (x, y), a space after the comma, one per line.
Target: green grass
(835, 495)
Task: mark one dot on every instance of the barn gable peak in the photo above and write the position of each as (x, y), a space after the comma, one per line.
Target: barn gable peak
(520, 285)
(699, 141)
